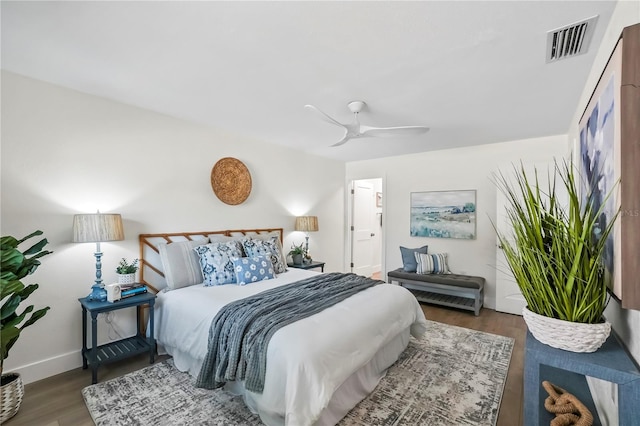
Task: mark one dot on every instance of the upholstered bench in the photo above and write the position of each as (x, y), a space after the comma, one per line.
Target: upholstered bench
(460, 291)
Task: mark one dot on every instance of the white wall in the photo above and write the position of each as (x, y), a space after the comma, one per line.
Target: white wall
(453, 169)
(64, 152)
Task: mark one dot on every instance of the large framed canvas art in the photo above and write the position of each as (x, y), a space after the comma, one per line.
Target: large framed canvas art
(609, 151)
(599, 149)
(444, 214)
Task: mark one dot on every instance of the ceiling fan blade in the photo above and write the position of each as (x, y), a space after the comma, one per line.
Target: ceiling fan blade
(393, 131)
(344, 139)
(325, 116)
(356, 130)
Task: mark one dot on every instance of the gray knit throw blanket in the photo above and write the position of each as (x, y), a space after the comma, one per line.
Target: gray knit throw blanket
(240, 332)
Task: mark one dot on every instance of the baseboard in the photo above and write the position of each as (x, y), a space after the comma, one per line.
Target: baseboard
(49, 367)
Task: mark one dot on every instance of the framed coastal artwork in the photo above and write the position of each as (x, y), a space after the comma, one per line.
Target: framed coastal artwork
(443, 214)
(608, 152)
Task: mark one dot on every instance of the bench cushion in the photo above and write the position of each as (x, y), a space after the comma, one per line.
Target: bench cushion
(456, 280)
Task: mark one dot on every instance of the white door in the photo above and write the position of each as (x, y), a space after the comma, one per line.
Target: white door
(362, 230)
(509, 299)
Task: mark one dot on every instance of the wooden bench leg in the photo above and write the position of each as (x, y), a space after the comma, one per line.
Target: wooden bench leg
(477, 304)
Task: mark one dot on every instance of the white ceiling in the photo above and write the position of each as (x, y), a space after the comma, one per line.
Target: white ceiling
(473, 71)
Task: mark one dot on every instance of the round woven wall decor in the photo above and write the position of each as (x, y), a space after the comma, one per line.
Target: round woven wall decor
(231, 181)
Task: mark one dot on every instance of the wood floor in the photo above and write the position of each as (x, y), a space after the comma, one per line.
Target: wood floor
(57, 401)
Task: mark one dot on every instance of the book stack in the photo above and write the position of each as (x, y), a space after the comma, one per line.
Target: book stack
(128, 290)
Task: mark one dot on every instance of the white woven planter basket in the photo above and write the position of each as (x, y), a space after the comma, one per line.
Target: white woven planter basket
(566, 335)
(126, 278)
(11, 397)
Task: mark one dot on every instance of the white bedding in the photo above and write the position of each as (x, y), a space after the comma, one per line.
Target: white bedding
(308, 360)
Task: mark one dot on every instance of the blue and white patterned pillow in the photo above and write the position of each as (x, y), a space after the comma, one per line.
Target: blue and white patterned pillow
(435, 263)
(216, 262)
(270, 248)
(252, 269)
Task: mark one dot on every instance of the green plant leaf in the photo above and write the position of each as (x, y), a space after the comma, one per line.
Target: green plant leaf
(8, 242)
(11, 260)
(10, 287)
(26, 292)
(9, 307)
(17, 319)
(35, 317)
(8, 336)
(37, 247)
(31, 235)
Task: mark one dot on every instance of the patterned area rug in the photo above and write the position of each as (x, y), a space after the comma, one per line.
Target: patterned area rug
(452, 376)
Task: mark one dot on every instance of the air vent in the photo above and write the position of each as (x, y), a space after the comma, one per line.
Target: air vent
(569, 41)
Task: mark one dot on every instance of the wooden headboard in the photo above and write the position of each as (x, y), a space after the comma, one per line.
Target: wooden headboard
(151, 272)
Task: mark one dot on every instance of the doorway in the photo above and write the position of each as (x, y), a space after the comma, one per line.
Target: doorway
(366, 227)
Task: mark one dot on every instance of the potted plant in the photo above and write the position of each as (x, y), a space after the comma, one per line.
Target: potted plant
(555, 252)
(14, 266)
(297, 254)
(127, 271)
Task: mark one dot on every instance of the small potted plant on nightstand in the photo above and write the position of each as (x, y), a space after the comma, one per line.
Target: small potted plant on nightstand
(127, 271)
(297, 254)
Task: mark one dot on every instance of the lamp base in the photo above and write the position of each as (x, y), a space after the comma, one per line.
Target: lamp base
(98, 293)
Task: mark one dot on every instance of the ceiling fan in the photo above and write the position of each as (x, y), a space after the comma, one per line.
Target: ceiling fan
(357, 130)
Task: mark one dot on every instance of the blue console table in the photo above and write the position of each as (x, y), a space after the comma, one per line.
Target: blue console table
(568, 370)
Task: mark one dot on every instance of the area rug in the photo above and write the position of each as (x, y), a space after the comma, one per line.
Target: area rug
(451, 376)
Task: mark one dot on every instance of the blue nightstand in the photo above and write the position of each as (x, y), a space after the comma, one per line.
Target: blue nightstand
(311, 265)
(95, 355)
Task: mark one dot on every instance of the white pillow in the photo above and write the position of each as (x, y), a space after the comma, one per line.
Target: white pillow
(221, 238)
(266, 236)
(435, 263)
(180, 263)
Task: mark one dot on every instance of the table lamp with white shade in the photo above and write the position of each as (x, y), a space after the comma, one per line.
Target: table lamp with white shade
(306, 224)
(97, 228)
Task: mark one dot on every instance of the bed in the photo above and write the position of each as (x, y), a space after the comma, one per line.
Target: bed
(317, 368)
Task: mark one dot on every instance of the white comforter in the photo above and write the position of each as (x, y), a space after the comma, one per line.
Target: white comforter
(307, 360)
